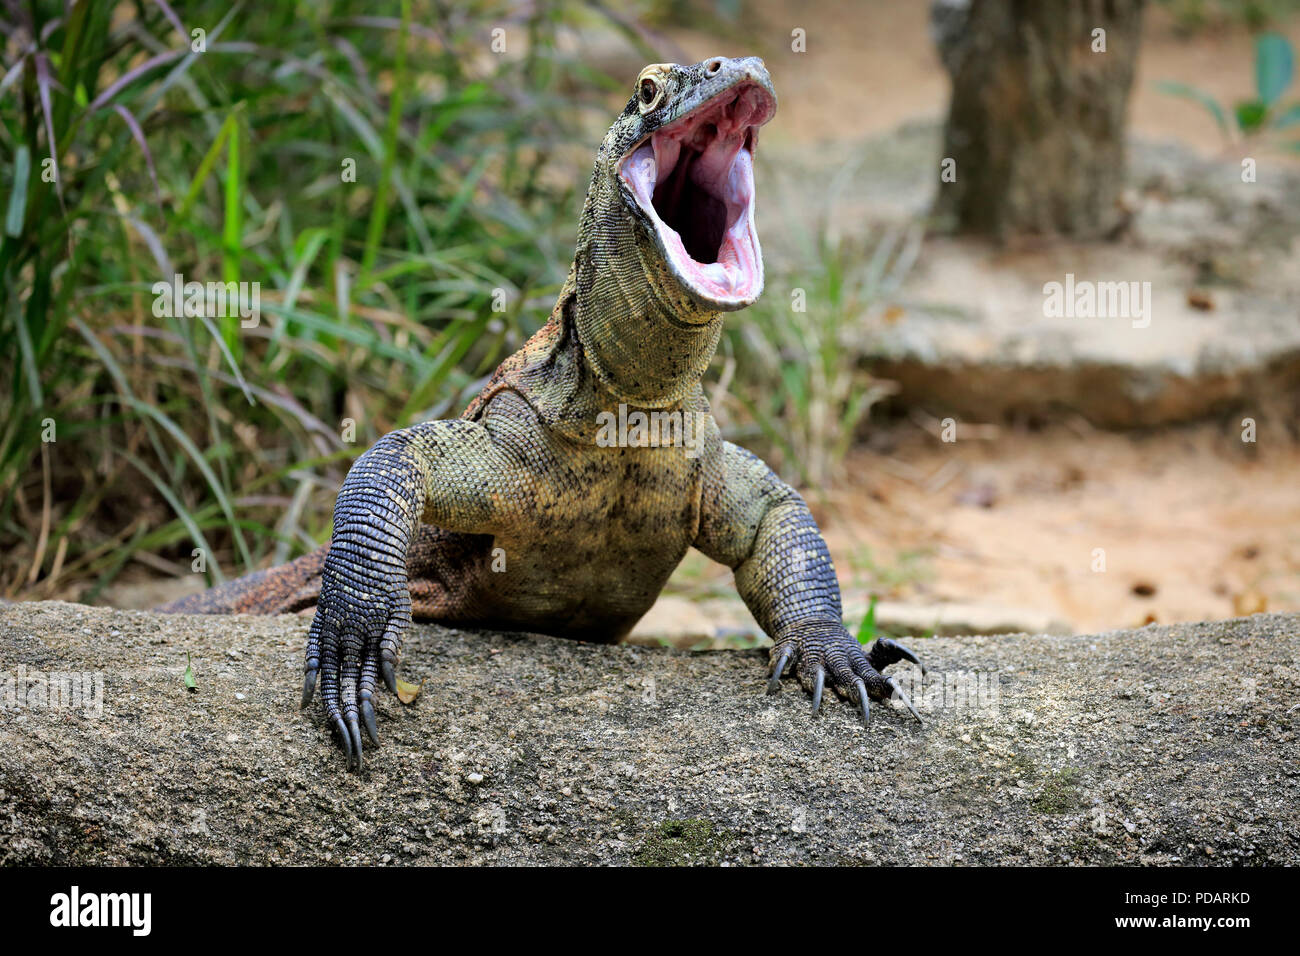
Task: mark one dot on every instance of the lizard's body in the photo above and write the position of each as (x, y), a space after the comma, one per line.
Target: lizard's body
(586, 550)
(522, 513)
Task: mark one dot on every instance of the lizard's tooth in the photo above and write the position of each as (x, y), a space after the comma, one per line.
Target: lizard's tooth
(739, 187)
(667, 149)
(640, 172)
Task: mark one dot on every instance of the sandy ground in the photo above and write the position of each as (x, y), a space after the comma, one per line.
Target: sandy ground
(1191, 524)
(1169, 746)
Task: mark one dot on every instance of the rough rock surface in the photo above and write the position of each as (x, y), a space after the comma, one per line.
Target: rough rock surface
(1164, 745)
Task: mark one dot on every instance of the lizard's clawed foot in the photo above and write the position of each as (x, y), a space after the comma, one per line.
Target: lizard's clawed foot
(823, 652)
(353, 642)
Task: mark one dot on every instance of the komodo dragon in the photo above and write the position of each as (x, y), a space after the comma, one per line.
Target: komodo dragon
(523, 513)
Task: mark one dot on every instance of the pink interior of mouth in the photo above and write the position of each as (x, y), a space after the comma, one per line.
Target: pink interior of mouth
(695, 179)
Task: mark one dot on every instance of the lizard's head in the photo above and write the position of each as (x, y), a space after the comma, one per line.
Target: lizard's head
(683, 156)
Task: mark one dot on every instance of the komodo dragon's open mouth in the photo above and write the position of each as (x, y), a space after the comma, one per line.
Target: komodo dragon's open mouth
(694, 180)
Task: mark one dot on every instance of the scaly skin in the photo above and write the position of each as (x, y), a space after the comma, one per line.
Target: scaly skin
(517, 516)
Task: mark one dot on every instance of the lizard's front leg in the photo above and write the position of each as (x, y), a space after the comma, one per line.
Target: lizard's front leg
(761, 527)
(454, 474)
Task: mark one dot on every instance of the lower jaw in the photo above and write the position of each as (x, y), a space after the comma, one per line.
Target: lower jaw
(723, 286)
(732, 282)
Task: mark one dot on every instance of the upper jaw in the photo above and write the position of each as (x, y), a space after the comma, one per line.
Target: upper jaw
(692, 180)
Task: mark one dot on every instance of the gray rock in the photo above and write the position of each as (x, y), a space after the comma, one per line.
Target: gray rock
(1163, 745)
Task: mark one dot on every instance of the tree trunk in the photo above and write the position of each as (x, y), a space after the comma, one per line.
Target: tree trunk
(1037, 116)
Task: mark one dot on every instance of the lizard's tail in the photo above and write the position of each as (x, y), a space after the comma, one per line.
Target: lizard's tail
(280, 590)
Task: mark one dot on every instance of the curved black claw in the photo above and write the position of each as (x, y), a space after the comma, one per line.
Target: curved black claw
(308, 685)
(355, 732)
(893, 683)
(347, 739)
(864, 702)
(777, 670)
(819, 682)
(368, 718)
(885, 651)
(390, 675)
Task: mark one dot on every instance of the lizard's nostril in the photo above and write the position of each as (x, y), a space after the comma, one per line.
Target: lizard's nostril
(713, 67)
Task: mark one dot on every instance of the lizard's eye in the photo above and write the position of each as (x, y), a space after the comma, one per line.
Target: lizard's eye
(650, 94)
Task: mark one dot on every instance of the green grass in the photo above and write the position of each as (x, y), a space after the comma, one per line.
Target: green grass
(175, 434)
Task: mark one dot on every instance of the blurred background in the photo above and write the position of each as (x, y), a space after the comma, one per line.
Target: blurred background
(387, 172)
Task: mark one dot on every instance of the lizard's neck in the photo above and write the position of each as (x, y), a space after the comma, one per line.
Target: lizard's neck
(646, 340)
